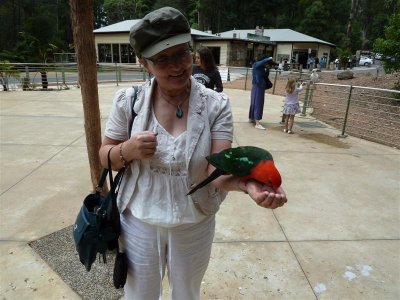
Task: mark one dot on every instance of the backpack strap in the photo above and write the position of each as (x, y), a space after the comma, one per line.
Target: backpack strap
(133, 99)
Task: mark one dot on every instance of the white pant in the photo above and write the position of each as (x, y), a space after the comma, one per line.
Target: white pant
(184, 249)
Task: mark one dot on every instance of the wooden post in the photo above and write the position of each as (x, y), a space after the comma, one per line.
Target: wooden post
(82, 26)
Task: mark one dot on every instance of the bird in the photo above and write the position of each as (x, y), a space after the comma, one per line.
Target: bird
(314, 77)
(245, 162)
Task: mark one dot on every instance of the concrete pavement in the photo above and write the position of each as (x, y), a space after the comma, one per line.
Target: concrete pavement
(336, 238)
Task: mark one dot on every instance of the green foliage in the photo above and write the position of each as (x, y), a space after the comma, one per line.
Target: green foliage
(185, 6)
(99, 14)
(389, 46)
(11, 56)
(315, 19)
(7, 71)
(113, 11)
(343, 55)
(119, 10)
(49, 21)
(35, 49)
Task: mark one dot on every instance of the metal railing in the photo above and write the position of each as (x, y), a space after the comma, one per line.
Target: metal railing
(240, 78)
(63, 75)
(369, 113)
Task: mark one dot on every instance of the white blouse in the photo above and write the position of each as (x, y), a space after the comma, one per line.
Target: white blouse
(209, 118)
(165, 175)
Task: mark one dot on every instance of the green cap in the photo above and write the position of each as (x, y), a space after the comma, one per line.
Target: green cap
(159, 30)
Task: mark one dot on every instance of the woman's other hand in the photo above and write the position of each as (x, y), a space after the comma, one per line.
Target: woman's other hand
(141, 145)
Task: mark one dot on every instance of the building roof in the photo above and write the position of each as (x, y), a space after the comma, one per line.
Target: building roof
(125, 26)
(275, 35)
(270, 36)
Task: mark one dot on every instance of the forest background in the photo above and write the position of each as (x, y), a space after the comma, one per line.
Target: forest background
(34, 29)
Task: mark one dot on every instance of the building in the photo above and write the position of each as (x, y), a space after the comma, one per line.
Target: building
(231, 48)
(282, 44)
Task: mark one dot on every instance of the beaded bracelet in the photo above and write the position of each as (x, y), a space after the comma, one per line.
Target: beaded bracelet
(121, 156)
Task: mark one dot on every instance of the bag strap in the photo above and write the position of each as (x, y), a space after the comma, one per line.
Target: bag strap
(102, 210)
(134, 114)
(118, 178)
(107, 171)
(99, 187)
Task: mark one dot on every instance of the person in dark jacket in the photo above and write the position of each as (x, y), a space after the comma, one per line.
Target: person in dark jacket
(258, 90)
(205, 70)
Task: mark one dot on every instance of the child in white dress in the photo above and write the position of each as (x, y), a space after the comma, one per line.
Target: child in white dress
(291, 106)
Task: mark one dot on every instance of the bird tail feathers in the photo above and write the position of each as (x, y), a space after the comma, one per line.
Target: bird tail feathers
(213, 175)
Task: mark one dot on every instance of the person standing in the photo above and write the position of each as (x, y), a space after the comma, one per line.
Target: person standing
(179, 122)
(291, 106)
(258, 90)
(316, 63)
(205, 70)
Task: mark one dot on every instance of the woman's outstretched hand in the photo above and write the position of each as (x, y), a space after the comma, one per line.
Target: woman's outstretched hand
(265, 196)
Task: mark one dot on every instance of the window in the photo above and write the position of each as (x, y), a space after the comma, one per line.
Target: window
(127, 54)
(104, 51)
(116, 53)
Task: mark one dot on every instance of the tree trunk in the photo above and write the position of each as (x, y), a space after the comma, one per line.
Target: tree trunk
(353, 12)
(4, 83)
(200, 20)
(82, 27)
(45, 83)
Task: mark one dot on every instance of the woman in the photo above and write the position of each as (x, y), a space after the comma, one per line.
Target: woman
(258, 90)
(205, 71)
(178, 123)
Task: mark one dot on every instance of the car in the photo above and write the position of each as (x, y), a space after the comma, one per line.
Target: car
(378, 56)
(365, 61)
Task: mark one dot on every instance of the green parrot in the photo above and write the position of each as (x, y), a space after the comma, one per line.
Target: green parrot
(246, 162)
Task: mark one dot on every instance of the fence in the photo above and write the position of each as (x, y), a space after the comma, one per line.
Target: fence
(62, 76)
(240, 78)
(369, 113)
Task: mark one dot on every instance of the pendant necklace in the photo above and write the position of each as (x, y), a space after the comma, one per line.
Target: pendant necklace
(179, 111)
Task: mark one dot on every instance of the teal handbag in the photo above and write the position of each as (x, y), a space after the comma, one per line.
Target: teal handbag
(97, 226)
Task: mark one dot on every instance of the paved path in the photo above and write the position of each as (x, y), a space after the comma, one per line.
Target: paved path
(337, 237)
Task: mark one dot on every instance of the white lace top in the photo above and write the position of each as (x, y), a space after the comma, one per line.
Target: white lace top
(165, 175)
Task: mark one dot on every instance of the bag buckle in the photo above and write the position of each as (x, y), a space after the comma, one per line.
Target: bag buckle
(99, 189)
(100, 212)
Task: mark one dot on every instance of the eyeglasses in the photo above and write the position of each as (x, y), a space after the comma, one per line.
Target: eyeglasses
(166, 60)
